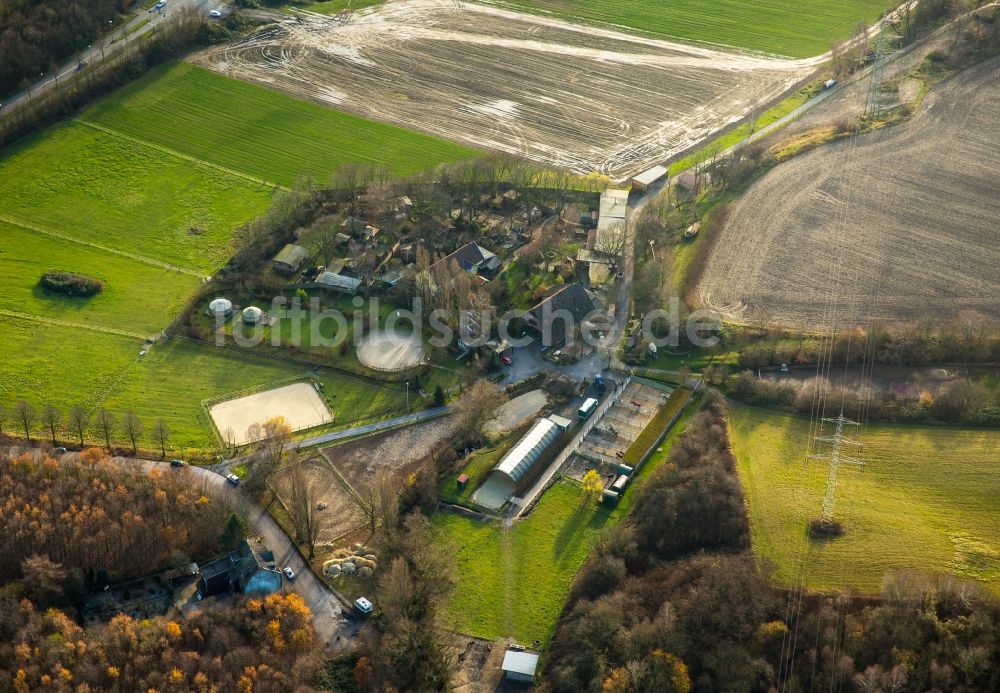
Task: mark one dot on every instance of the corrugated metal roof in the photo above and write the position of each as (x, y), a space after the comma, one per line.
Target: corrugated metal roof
(651, 175)
(520, 662)
(526, 452)
(338, 281)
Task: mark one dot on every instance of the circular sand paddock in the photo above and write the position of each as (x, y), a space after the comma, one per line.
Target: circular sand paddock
(383, 352)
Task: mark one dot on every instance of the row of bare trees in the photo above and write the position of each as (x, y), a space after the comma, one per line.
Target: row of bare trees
(80, 423)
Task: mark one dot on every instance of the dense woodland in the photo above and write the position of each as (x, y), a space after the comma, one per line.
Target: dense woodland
(37, 35)
(257, 645)
(674, 600)
(75, 524)
(93, 515)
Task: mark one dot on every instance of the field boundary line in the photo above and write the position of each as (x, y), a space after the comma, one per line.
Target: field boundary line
(70, 323)
(173, 152)
(97, 246)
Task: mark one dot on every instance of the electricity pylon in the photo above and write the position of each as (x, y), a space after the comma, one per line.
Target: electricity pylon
(878, 67)
(835, 458)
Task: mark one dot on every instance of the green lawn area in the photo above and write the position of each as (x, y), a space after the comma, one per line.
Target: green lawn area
(137, 297)
(60, 365)
(170, 382)
(513, 581)
(926, 501)
(93, 186)
(783, 27)
(335, 6)
(260, 132)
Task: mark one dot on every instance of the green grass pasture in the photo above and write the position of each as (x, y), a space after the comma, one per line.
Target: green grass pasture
(137, 297)
(782, 27)
(89, 185)
(926, 501)
(260, 132)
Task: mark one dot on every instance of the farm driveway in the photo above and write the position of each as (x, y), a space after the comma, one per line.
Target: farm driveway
(327, 611)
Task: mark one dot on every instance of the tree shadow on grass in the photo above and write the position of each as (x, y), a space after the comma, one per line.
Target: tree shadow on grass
(576, 529)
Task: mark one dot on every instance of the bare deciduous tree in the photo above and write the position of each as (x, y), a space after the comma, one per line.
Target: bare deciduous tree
(275, 436)
(26, 415)
(615, 241)
(78, 421)
(105, 424)
(51, 417)
(302, 507)
(133, 427)
(478, 405)
(161, 434)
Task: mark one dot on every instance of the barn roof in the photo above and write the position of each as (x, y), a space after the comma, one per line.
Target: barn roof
(292, 255)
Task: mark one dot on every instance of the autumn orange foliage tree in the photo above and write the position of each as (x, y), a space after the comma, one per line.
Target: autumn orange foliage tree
(258, 645)
(94, 514)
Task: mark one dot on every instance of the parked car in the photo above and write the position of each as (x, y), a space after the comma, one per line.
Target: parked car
(214, 14)
(506, 360)
(61, 451)
(177, 463)
(363, 605)
(784, 368)
(160, 5)
(289, 573)
(233, 479)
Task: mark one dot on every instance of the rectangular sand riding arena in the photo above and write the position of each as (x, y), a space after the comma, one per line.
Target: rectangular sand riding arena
(298, 403)
(576, 97)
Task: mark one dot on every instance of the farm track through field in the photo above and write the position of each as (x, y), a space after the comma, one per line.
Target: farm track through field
(70, 323)
(914, 207)
(576, 97)
(103, 248)
(180, 155)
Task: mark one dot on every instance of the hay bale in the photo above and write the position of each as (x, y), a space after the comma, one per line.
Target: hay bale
(370, 557)
(365, 573)
(332, 569)
(348, 568)
(364, 563)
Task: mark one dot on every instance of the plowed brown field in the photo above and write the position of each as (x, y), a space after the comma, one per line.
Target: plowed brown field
(576, 97)
(909, 215)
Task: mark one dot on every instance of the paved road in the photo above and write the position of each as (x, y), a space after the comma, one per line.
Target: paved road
(107, 46)
(328, 614)
(404, 420)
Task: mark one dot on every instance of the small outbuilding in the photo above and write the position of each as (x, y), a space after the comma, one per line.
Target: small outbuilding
(220, 308)
(648, 177)
(290, 259)
(338, 282)
(520, 666)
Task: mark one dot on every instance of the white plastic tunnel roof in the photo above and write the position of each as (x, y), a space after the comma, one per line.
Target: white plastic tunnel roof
(523, 456)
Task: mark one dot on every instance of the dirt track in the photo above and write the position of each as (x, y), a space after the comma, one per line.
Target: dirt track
(359, 461)
(577, 97)
(906, 214)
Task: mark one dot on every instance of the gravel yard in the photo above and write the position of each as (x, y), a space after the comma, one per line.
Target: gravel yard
(396, 451)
